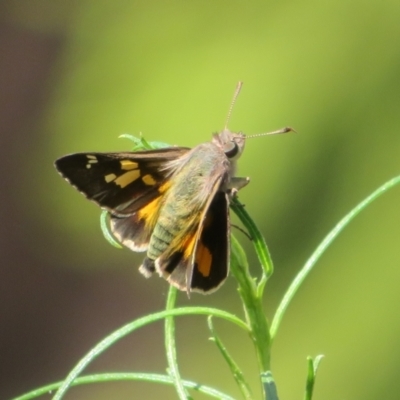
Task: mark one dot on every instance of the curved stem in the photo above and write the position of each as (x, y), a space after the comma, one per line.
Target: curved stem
(128, 328)
(332, 235)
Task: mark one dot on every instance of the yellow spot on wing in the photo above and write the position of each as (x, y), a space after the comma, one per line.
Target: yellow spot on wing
(128, 164)
(148, 180)
(127, 178)
(110, 177)
(91, 160)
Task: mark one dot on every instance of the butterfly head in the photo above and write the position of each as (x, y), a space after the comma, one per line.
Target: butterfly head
(231, 143)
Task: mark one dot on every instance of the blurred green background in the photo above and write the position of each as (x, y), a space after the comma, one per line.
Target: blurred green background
(75, 75)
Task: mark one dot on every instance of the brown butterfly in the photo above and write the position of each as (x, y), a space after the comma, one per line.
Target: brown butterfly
(171, 202)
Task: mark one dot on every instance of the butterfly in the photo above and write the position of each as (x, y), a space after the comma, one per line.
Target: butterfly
(172, 203)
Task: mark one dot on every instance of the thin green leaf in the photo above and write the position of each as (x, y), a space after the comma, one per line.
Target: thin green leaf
(332, 235)
(313, 365)
(235, 370)
(158, 145)
(105, 228)
(132, 326)
(170, 347)
(137, 141)
(259, 243)
(122, 377)
(142, 144)
(240, 269)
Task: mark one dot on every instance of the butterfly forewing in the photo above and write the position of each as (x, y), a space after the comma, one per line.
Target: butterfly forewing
(122, 183)
(211, 257)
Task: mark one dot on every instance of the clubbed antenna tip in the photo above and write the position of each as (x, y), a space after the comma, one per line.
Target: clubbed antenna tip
(283, 130)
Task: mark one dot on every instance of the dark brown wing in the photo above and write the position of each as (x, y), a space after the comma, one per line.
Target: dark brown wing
(121, 183)
(211, 260)
(201, 263)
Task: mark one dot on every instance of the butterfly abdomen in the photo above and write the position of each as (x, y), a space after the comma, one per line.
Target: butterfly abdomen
(180, 215)
(173, 219)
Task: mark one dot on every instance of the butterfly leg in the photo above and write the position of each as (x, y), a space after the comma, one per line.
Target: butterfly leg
(236, 184)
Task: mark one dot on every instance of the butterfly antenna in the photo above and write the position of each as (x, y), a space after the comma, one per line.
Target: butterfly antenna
(235, 96)
(279, 131)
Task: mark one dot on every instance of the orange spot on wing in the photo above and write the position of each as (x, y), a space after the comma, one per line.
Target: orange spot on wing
(189, 245)
(164, 187)
(149, 213)
(203, 259)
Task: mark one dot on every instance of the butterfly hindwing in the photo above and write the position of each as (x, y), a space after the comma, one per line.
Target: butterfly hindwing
(134, 230)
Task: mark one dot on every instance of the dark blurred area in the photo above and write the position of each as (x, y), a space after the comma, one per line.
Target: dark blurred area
(76, 75)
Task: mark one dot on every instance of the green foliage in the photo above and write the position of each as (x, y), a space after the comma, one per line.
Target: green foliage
(255, 324)
(313, 365)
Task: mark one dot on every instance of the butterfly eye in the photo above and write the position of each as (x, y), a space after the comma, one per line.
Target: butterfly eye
(233, 149)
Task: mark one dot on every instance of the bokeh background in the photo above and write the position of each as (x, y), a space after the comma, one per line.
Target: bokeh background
(74, 75)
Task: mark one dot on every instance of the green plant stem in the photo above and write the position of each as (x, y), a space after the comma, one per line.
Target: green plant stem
(237, 373)
(251, 292)
(308, 266)
(254, 311)
(124, 376)
(170, 347)
(269, 386)
(128, 328)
